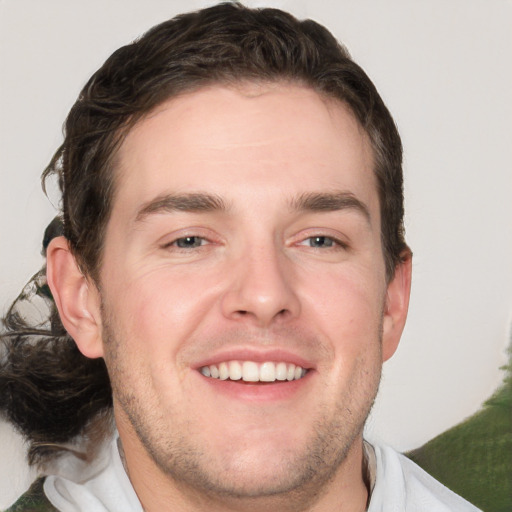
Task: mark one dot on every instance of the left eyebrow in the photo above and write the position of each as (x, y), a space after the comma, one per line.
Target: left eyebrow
(330, 202)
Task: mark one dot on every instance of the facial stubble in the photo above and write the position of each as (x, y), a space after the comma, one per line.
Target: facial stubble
(301, 477)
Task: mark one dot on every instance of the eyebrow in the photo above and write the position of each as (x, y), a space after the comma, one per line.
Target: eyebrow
(204, 202)
(192, 202)
(330, 202)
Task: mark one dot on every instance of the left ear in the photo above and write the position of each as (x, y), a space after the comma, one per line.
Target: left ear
(396, 306)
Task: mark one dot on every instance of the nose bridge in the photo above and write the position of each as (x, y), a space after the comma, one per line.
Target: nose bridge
(262, 285)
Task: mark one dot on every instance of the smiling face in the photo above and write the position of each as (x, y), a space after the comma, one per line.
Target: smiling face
(245, 311)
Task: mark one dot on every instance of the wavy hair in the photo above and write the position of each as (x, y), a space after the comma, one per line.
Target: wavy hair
(49, 390)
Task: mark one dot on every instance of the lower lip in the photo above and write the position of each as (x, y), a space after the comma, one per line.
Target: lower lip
(256, 391)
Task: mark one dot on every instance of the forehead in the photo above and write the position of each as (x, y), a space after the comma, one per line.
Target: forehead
(278, 139)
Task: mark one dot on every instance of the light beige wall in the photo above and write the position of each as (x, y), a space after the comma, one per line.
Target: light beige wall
(442, 66)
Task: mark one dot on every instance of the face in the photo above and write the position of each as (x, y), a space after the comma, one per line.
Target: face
(243, 290)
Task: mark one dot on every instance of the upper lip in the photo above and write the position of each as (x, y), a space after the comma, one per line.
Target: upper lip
(275, 355)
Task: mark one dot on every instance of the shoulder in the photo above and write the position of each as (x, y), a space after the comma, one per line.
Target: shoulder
(402, 485)
(34, 500)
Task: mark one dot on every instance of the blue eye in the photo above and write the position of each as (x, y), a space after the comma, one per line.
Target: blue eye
(320, 241)
(189, 242)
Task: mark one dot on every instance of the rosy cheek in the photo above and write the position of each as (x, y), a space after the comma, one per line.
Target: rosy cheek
(163, 309)
(348, 309)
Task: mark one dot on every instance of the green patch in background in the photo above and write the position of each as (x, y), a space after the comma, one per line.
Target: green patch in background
(474, 458)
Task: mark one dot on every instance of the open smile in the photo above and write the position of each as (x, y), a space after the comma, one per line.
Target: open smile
(251, 371)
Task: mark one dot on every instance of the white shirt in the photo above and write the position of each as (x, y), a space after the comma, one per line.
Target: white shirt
(402, 486)
(102, 486)
(399, 486)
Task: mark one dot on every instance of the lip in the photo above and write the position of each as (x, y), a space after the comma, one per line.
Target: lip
(266, 392)
(258, 356)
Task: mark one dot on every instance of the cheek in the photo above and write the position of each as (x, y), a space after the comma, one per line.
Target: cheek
(146, 332)
(346, 309)
(348, 305)
(162, 309)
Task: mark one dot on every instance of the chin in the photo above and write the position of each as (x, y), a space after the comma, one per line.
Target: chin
(272, 466)
(251, 475)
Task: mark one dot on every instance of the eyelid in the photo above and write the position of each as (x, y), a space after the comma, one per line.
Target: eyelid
(170, 239)
(174, 243)
(339, 239)
(336, 242)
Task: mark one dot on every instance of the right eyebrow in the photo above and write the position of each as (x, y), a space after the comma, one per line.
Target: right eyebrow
(192, 202)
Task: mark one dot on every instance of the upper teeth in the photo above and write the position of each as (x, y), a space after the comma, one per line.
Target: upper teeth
(249, 371)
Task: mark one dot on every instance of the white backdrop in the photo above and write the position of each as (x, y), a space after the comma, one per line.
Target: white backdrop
(444, 69)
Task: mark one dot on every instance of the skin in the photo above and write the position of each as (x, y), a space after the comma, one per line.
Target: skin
(253, 282)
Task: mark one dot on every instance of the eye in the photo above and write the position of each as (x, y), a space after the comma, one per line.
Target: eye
(321, 242)
(189, 242)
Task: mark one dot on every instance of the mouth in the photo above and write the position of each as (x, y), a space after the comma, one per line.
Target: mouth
(251, 371)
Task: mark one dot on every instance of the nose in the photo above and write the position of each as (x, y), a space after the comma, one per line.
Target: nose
(262, 288)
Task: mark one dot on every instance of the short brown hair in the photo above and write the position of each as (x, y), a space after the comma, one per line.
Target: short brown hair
(51, 392)
(227, 43)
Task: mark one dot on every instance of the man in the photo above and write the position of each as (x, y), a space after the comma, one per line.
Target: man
(233, 272)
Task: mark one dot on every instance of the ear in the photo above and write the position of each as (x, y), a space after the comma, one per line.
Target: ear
(77, 298)
(396, 306)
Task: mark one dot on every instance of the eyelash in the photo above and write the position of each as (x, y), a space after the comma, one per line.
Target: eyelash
(335, 242)
(175, 243)
(201, 241)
